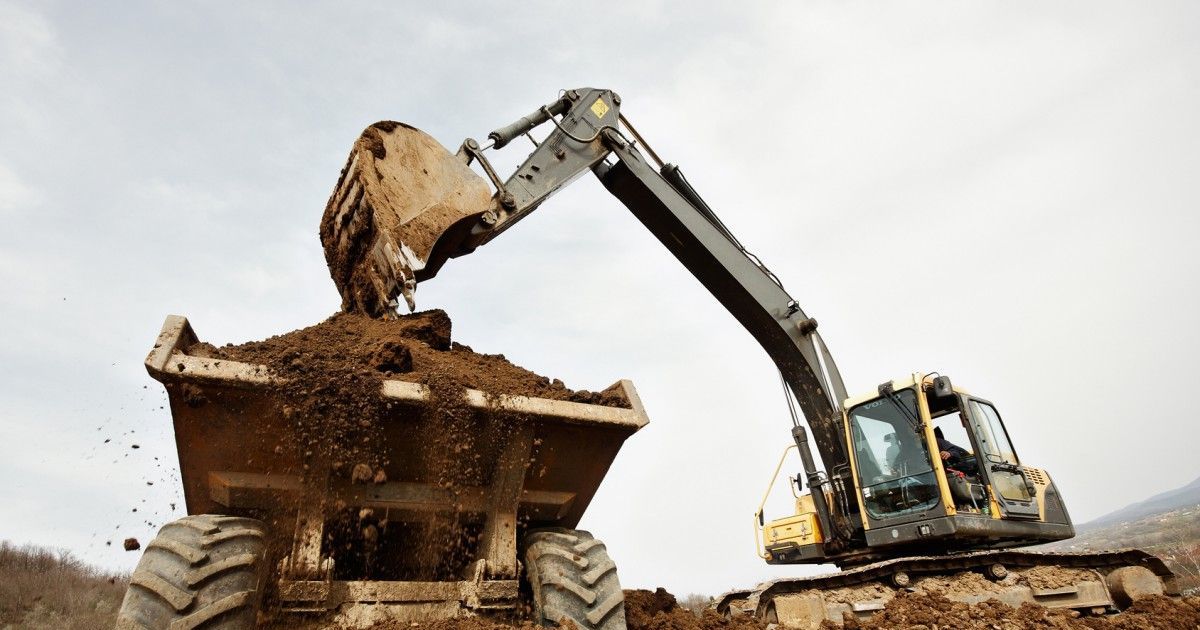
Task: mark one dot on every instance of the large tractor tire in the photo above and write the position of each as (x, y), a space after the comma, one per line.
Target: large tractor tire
(200, 573)
(573, 578)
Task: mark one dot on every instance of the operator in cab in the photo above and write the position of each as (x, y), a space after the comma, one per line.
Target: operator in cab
(955, 456)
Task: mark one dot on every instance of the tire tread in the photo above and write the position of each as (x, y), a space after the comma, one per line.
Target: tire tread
(574, 579)
(201, 572)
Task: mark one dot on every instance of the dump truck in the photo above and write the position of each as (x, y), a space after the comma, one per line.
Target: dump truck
(894, 500)
(262, 513)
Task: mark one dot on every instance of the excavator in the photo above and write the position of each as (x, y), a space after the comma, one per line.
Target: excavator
(919, 480)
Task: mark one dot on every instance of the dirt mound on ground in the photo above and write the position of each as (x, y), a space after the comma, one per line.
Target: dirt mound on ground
(658, 610)
(644, 610)
(469, 623)
(932, 611)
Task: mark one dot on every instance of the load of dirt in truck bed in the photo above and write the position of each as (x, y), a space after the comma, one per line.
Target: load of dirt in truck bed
(331, 377)
(413, 348)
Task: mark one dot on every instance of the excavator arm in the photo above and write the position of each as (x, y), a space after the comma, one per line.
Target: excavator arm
(590, 134)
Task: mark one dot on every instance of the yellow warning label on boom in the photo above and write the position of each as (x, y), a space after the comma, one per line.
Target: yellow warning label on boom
(599, 108)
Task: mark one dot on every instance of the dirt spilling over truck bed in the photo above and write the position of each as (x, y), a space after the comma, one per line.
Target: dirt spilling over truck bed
(332, 374)
(330, 392)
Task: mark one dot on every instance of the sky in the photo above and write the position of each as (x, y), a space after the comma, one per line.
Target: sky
(1001, 192)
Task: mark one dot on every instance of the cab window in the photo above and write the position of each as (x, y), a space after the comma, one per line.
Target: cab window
(993, 439)
(894, 466)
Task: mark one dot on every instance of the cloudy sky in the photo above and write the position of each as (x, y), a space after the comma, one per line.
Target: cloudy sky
(1002, 192)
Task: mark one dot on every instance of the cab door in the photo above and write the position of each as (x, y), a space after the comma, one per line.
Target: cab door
(1014, 492)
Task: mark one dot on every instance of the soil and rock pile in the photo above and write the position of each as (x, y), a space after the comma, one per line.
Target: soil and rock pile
(658, 610)
(415, 348)
(332, 374)
(933, 611)
(329, 389)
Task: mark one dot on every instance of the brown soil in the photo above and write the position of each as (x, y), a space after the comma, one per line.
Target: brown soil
(331, 376)
(1056, 577)
(644, 610)
(469, 623)
(401, 191)
(933, 611)
(415, 348)
(658, 610)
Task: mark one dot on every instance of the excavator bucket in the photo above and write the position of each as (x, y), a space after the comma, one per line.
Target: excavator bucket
(402, 206)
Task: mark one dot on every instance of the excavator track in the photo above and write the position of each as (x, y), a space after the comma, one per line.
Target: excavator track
(1096, 582)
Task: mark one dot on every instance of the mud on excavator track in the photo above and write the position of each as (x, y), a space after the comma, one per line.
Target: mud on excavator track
(1092, 583)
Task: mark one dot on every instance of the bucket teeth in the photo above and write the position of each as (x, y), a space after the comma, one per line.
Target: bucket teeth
(409, 288)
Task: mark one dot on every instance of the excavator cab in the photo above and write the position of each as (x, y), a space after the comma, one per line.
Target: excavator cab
(933, 468)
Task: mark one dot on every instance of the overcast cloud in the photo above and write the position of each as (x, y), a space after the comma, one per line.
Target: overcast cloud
(1003, 192)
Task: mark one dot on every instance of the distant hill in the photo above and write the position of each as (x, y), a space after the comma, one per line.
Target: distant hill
(1173, 536)
(1166, 525)
(1168, 501)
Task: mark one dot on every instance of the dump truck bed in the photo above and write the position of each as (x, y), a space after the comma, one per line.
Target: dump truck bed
(228, 425)
(533, 463)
